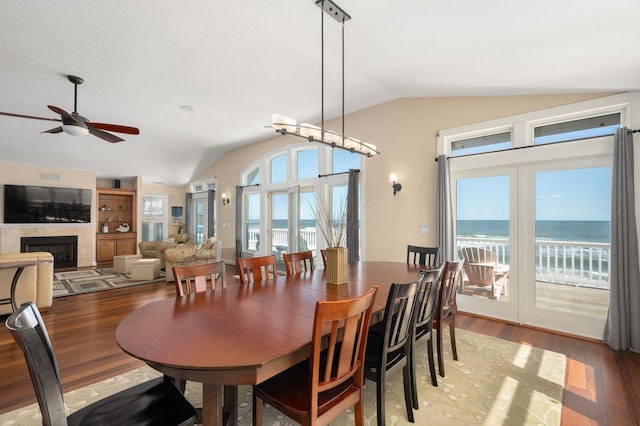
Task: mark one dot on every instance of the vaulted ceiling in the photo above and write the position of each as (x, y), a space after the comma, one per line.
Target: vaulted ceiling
(234, 63)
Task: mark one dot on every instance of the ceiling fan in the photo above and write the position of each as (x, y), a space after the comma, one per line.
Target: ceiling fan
(77, 125)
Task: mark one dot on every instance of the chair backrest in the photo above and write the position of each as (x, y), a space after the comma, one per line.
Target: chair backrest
(422, 255)
(252, 269)
(198, 278)
(449, 281)
(323, 253)
(28, 330)
(399, 319)
(479, 264)
(348, 321)
(298, 262)
(425, 307)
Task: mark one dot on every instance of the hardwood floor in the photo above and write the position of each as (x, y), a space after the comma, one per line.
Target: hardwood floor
(601, 386)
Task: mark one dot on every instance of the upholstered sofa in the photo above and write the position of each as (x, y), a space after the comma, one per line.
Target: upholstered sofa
(157, 249)
(207, 252)
(35, 283)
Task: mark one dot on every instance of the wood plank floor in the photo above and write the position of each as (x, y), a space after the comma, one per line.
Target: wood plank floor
(601, 386)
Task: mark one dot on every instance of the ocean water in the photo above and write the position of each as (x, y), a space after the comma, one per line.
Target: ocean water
(561, 230)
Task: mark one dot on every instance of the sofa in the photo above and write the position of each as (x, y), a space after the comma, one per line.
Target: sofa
(35, 283)
(157, 249)
(207, 252)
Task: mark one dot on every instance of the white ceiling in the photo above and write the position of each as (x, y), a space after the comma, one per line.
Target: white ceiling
(237, 62)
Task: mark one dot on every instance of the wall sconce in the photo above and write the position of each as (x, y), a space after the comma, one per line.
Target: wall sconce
(393, 178)
(225, 199)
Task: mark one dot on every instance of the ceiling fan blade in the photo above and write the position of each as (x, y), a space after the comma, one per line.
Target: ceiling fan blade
(54, 130)
(63, 114)
(104, 135)
(115, 128)
(10, 114)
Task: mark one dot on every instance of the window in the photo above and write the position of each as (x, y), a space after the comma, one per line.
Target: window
(585, 128)
(481, 144)
(276, 215)
(154, 217)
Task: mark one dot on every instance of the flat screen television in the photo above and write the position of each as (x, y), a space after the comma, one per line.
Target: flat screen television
(44, 204)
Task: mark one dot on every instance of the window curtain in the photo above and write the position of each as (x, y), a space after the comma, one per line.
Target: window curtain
(239, 191)
(211, 213)
(444, 215)
(353, 232)
(187, 215)
(622, 329)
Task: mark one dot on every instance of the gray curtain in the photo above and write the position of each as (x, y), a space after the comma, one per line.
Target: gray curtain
(211, 212)
(622, 330)
(444, 215)
(353, 233)
(239, 191)
(187, 215)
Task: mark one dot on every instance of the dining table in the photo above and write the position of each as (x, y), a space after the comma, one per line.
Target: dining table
(243, 334)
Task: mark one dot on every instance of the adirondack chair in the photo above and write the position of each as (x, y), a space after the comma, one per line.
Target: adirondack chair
(482, 273)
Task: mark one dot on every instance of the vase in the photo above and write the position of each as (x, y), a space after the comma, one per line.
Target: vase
(336, 265)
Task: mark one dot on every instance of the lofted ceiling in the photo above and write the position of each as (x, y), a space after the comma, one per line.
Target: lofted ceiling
(237, 62)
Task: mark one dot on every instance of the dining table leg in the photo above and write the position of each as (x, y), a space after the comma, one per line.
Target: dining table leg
(212, 404)
(230, 414)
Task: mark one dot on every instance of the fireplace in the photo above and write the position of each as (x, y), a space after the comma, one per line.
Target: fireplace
(63, 248)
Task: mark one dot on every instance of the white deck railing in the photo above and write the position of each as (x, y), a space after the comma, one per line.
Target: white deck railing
(561, 262)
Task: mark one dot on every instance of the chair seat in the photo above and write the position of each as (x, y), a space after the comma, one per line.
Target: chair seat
(155, 402)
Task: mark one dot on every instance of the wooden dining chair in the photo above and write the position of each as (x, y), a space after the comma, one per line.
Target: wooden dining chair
(425, 307)
(391, 343)
(446, 309)
(198, 278)
(298, 262)
(426, 256)
(253, 269)
(323, 253)
(155, 401)
(319, 389)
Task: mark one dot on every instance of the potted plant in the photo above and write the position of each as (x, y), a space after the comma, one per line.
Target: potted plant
(331, 222)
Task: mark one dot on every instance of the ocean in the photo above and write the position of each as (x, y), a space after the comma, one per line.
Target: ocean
(593, 231)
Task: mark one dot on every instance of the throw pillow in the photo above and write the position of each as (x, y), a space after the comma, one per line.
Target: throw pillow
(209, 243)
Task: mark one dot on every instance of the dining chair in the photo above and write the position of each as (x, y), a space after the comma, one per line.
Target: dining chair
(323, 253)
(425, 306)
(319, 389)
(390, 344)
(446, 309)
(252, 269)
(426, 256)
(198, 278)
(298, 262)
(156, 401)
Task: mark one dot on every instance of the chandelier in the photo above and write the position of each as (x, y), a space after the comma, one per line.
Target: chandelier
(288, 126)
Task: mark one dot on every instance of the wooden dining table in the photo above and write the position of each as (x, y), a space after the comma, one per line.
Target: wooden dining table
(243, 334)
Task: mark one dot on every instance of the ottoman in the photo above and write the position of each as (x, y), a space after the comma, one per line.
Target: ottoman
(145, 269)
(122, 263)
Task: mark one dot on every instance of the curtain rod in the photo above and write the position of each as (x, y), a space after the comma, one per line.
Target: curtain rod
(247, 186)
(633, 131)
(341, 173)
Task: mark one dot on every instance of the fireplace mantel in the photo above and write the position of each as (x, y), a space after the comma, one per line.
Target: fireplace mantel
(10, 235)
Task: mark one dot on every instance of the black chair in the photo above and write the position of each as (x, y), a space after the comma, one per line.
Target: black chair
(447, 309)
(390, 344)
(425, 308)
(422, 255)
(155, 402)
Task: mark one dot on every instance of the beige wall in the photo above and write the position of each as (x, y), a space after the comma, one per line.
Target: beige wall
(10, 234)
(405, 132)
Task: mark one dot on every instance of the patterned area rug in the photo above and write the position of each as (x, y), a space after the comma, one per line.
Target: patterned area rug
(495, 382)
(90, 280)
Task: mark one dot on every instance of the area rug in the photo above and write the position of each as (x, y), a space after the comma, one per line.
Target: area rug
(495, 382)
(91, 280)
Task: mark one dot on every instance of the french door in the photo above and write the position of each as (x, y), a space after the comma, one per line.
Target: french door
(548, 223)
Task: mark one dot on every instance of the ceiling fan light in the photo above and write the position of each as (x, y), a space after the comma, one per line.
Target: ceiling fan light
(75, 130)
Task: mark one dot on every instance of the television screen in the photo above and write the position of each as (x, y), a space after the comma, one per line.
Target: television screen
(42, 204)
